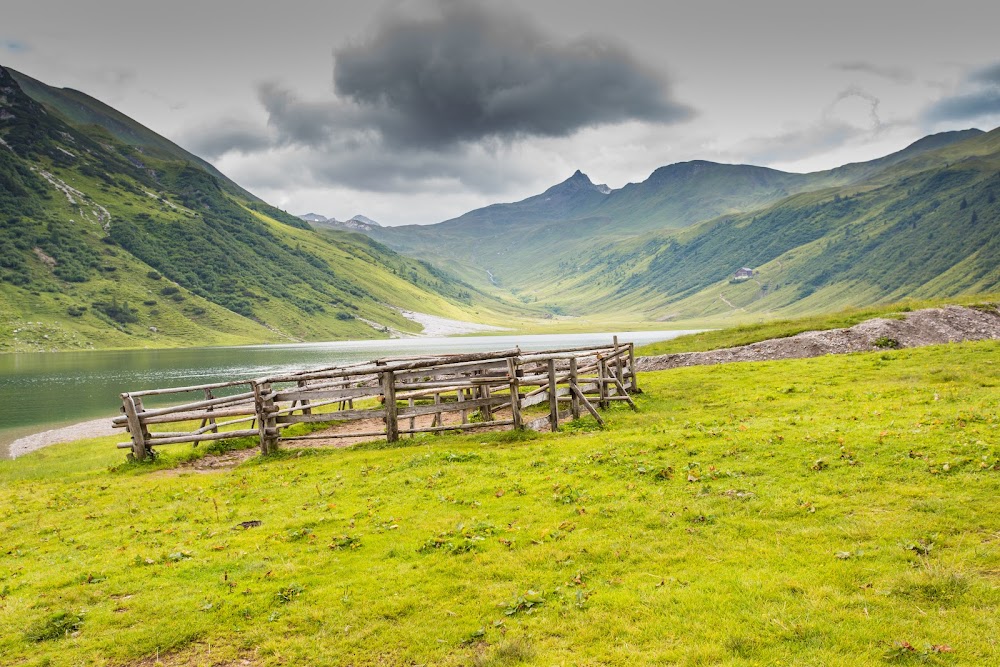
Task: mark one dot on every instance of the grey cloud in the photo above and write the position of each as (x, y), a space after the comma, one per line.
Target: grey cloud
(855, 91)
(965, 107)
(14, 45)
(981, 99)
(822, 136)
(416, 172)
(300, 122)
(407, 172)
(801, 143)
(228, 136)
(987, 75)
(894, 74)
(470, 73)
(425, 103)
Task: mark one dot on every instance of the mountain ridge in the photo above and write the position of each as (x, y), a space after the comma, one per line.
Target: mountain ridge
(549, 253)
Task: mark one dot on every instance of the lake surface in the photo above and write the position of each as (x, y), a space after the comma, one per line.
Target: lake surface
(44, 390)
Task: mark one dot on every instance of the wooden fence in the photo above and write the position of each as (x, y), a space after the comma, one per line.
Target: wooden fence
(390, 397)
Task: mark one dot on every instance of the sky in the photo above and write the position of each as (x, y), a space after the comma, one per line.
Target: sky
(414, 112)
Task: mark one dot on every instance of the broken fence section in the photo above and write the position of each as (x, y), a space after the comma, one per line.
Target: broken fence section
(391, 397)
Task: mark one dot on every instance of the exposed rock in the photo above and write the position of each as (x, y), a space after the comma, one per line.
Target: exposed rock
(932, 326)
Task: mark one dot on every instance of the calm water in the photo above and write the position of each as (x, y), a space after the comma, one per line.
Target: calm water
(43, 390)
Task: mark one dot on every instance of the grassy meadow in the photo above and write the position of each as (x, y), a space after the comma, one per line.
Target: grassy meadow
(830, 511)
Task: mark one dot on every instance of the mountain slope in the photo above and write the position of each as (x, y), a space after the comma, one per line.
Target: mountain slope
(927, 226)
(78, 109)
(105, 243)
(518, 243)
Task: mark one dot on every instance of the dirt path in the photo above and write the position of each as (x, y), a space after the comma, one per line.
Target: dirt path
(932, 326)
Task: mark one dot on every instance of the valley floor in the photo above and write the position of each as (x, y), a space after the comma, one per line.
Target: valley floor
(831, 511)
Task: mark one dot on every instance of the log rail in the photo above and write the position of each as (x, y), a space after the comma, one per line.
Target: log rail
(393, 392)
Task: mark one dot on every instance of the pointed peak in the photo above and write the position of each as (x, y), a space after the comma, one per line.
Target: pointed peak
(364, 220)
(578, 182)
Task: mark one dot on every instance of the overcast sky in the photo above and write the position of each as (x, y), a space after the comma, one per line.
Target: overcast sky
(415, 112)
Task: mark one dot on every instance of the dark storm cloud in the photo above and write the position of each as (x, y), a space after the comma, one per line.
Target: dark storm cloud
(894, 74)
(470, 73)
(982, 99)
(428, 101)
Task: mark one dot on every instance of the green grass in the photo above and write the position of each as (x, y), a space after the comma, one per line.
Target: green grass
(830, 511)
(744, 334)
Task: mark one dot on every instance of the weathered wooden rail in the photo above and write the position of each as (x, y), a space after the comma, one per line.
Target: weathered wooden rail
(388, 397)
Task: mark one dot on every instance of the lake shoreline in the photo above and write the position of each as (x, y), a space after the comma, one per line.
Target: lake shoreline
(92, 428)
(54, 398)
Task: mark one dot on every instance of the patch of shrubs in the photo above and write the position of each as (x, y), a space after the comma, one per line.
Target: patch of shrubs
(121, 313)
(886, 343)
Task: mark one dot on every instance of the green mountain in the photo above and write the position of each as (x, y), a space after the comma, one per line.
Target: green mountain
(111, 236)
(668, 247)
(81, 109)
(515, 245)
(924, 226)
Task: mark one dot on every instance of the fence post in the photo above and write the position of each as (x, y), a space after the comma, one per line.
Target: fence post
(486, 411)
(515, 395)
(388, 381)
(461, 399)
(553, 399)
(602, 372)
(618, 365)
(267, 424)
(208, 396)
(306, 410)
(631, 368)
(135, 427)
(574, 399)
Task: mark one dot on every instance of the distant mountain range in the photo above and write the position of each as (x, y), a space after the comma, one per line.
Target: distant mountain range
(919, 222)
(113, 236)
(357, 223)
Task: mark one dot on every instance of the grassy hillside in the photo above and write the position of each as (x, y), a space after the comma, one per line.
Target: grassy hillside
(112, 243)
(80, 109)
(925, 228)
(832, 511)
(553, 237)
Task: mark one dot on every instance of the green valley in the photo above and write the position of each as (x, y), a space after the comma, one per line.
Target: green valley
(920, 223)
